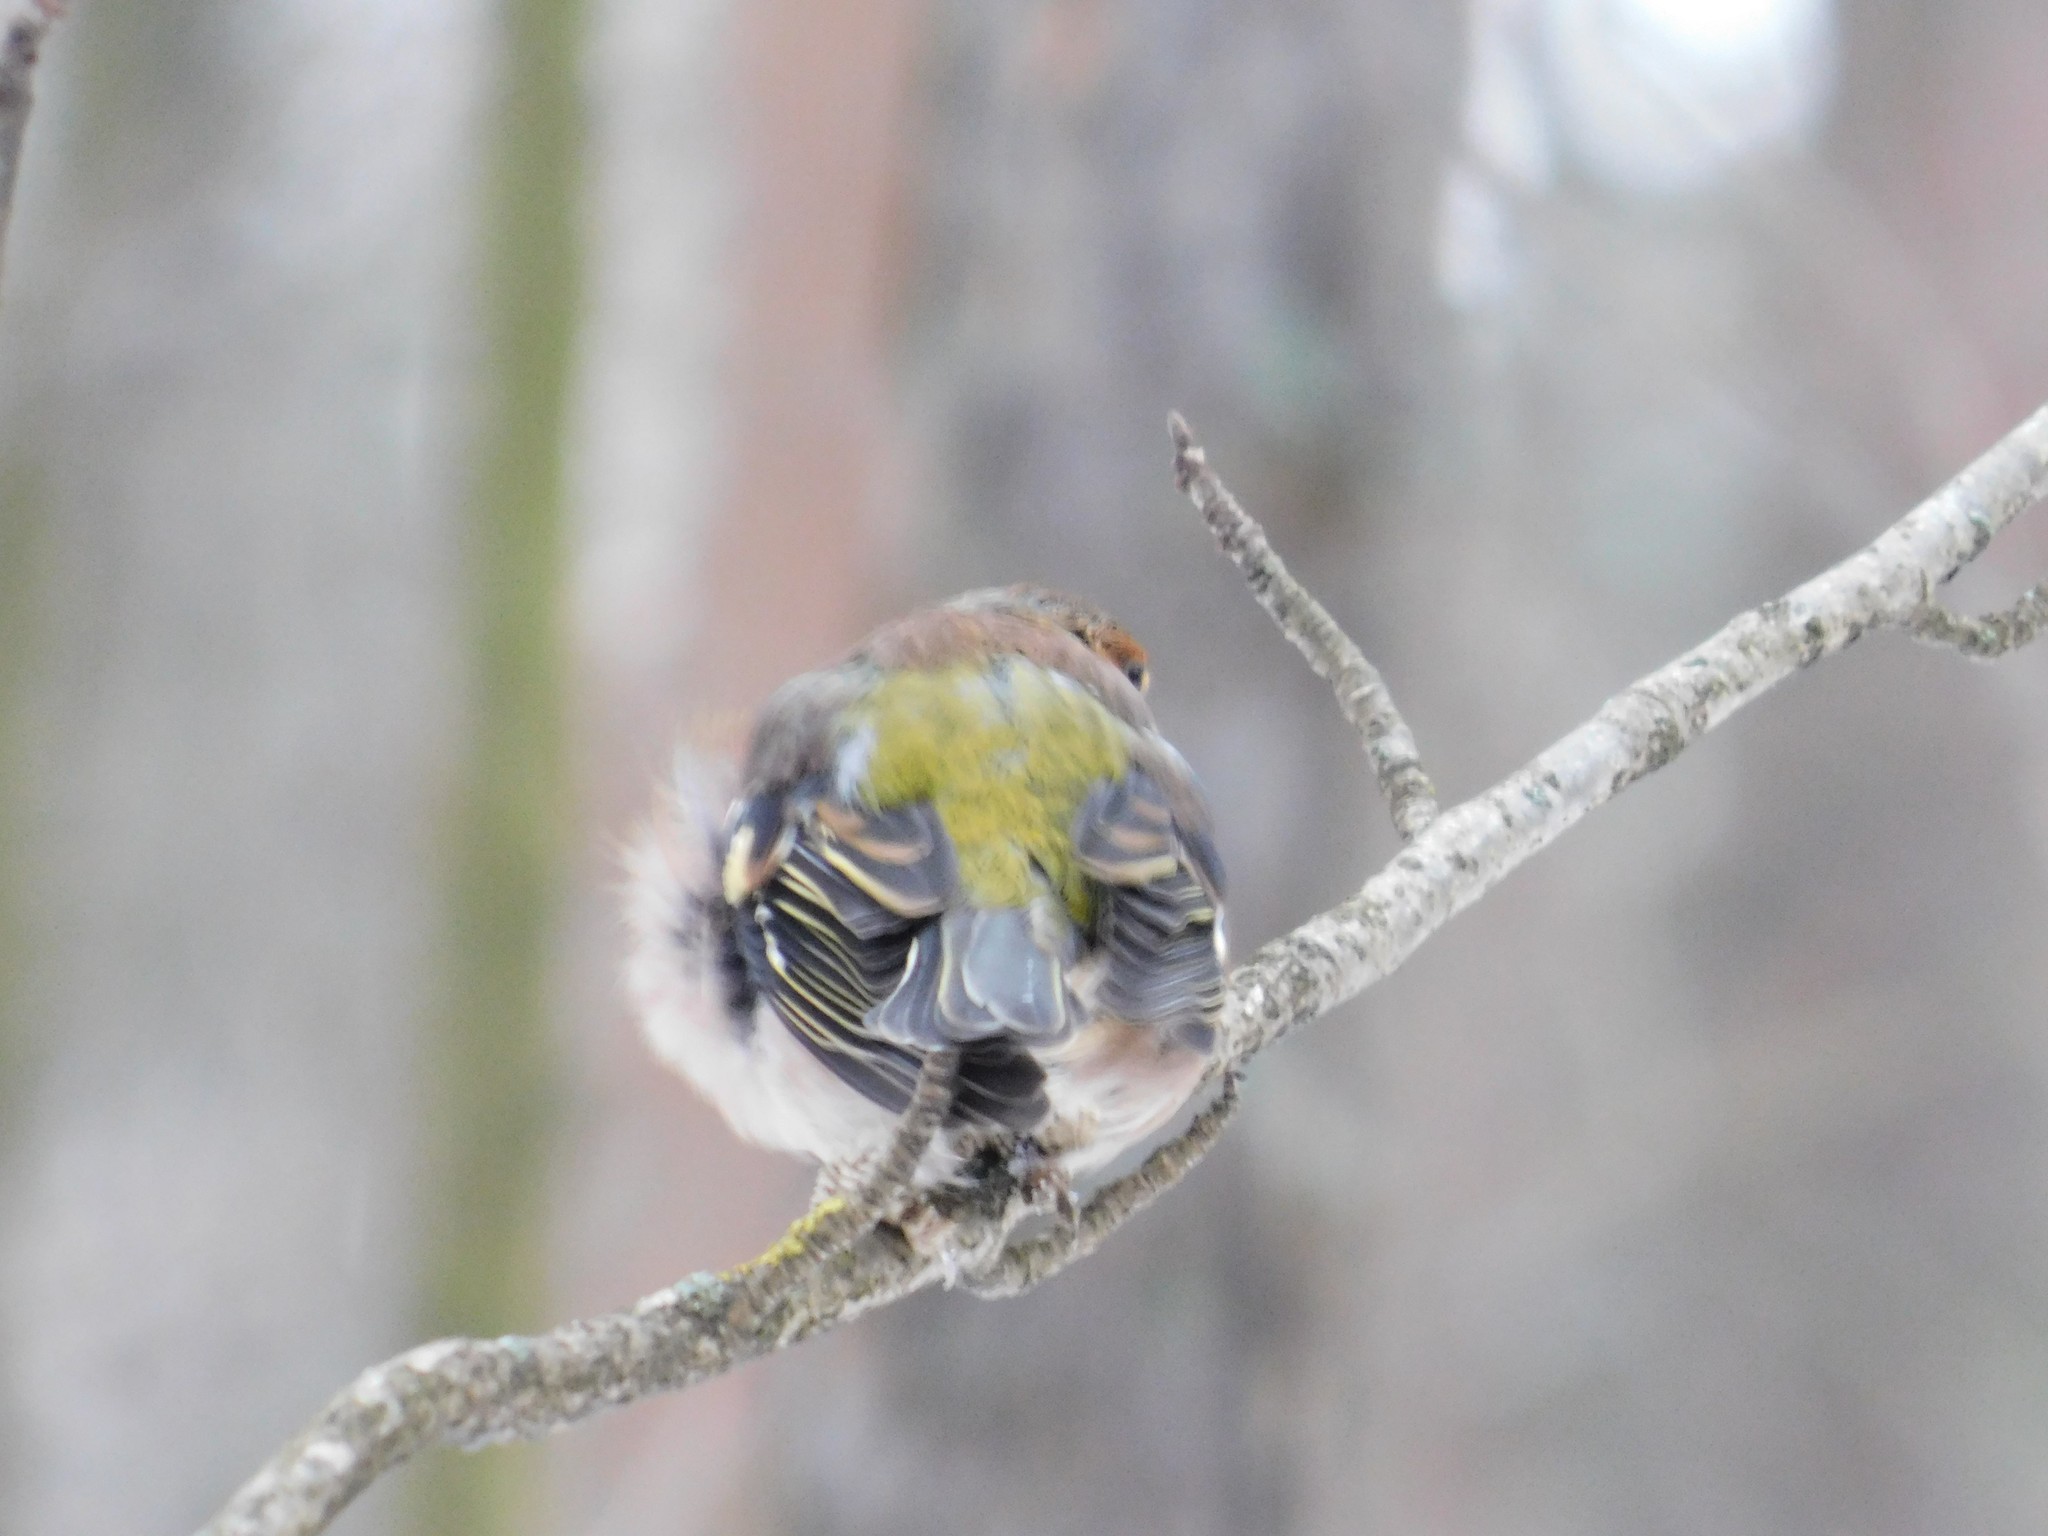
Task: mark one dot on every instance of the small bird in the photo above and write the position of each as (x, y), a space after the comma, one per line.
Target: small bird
(970, 835)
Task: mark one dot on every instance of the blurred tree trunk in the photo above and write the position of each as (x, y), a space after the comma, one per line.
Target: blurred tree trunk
(739, 520)
(494, 1071)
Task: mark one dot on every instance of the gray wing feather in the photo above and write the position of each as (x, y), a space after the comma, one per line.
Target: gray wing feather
(910, 1014)
(1157, 928)
(979, 973)
(1002, 974)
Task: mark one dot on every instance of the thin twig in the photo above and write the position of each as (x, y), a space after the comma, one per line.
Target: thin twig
(1361, 693)
(833, 1224)
(1988, 636)
(18, 54)
(470, 1391)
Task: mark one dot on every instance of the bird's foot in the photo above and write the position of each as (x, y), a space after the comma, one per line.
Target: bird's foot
(1042, 1180)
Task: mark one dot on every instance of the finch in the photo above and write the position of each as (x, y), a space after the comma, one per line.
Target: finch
(968, 835)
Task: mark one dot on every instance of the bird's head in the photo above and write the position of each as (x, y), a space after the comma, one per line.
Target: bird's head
(1070, 615)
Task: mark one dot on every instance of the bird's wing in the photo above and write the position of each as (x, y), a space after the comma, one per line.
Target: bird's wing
(832, 929)
(1157, 924)
(985, 973)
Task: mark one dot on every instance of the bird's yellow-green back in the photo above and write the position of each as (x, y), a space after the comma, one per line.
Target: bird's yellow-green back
(1006, 755)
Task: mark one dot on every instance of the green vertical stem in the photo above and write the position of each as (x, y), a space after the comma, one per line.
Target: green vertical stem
(23, 522)
(491, 1097)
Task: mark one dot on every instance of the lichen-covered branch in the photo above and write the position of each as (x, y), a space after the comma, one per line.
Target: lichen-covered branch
(1361, 693)
(1988, 636)
(19, 51)
(469, 1392)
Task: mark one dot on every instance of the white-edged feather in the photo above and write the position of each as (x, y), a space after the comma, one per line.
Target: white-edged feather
(771, 1090)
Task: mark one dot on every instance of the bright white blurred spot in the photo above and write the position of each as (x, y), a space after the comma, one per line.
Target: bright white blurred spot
(1663, 95)
(1507, 122)
(1716, 26)
(1478, 255)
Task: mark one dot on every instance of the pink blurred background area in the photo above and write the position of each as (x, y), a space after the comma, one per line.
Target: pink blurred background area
(417, 420)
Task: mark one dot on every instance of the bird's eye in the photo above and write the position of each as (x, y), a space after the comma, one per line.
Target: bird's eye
(1141, 679)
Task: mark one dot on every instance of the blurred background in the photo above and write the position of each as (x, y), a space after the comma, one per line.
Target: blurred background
(417, 416)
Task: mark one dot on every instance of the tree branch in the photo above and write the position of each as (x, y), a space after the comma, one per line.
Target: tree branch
(468, 1392)
(835, 1262)
(18, 54)
(1361, 693)
(1990, 635)
(1473, 847)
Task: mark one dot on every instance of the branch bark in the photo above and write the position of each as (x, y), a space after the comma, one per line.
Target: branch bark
(469, 1392)
(1988, 636)
(1361, 693)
